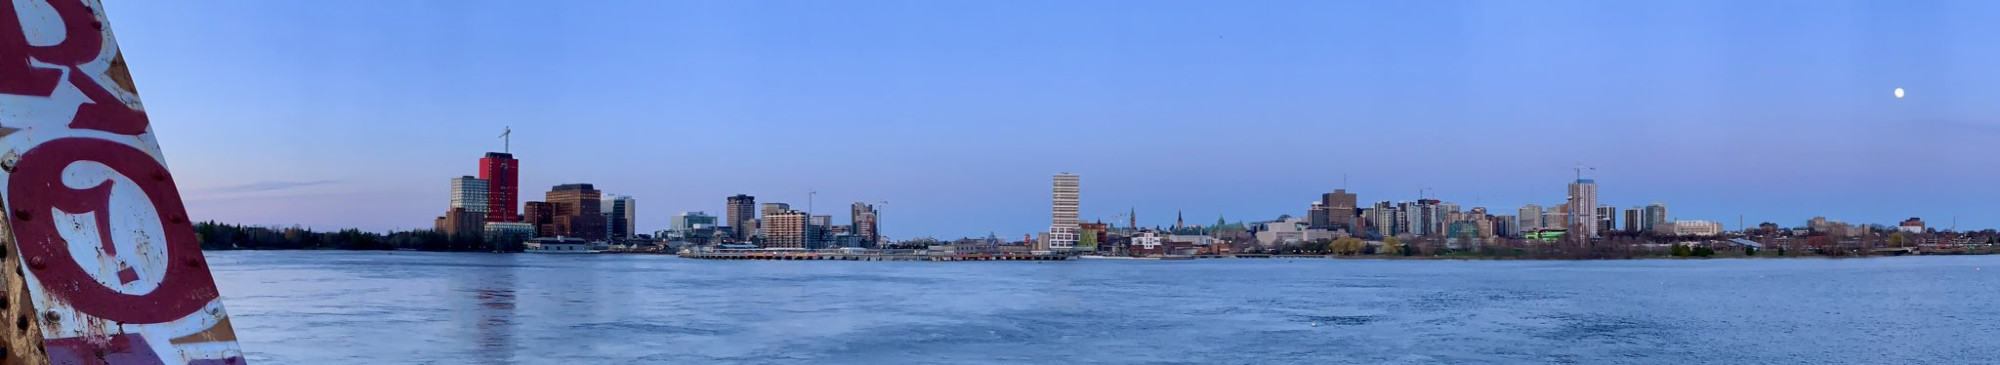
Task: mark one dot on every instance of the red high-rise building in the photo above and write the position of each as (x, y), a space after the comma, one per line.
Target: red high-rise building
(503, 175)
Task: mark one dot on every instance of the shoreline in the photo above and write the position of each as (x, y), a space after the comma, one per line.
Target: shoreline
(1024, 257)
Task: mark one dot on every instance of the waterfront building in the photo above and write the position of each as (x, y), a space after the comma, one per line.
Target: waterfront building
(1063, 226)
(1530, 218)
(862, 217)
(1289, 230)
(1605, 218)
(563, 245)
(1384, 219)
(691, 220)
(500, 234)
(1463, 229)
(1479, 217)
(1507, 225)
(503, 180)
(818, 231)
(1090, 236)
(539, 215)
(739, 216)
(1316, 217)
(619, 216)
(1339, 209)
(471, 194)
(785, 228)
(772, 208)
(1556, 218)
(1656, 215)
(1364, 223)
(456, 221)
(1912, 225)
(700, 235)
(1583, 206)
(576, 211)
(1693, 228)
(1423, 217)
(1147, 243)
(1634, 219)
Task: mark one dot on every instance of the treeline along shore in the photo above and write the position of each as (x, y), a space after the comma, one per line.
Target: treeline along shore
(222, 236)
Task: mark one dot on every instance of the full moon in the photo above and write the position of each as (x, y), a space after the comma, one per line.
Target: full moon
(1899, 93)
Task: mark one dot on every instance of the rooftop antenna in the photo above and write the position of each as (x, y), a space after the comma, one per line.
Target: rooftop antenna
(507, 140)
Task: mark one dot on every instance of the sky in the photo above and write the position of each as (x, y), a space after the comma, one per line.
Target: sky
(335, 114)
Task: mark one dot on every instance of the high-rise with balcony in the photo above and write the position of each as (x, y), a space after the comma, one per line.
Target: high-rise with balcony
(503, 179)
(785, 228)
(1583, 207)
(1063, 228)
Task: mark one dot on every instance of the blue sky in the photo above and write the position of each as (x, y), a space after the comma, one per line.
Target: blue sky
(356, 113)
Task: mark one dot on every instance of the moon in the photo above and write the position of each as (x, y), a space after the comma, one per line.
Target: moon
(1899, 93)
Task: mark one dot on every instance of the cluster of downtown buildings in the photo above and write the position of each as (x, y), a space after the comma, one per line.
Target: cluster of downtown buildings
(487, 205)
(1339, 214)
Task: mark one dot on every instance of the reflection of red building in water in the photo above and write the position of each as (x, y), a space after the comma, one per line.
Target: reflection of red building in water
(503, 177)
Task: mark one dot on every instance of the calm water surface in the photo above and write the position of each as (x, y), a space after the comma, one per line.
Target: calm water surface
(293, 307)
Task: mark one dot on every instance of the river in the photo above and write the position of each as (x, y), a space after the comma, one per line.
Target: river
(312, 307)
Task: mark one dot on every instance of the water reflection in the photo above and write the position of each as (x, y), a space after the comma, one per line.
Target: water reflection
(427, 308)
(492, 288)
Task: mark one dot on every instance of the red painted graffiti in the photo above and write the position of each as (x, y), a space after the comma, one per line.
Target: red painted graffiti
(83, 42)
(36, 190)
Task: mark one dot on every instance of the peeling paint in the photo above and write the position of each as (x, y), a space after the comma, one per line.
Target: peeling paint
(112, 269)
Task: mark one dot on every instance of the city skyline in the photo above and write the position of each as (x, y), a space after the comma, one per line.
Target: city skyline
(1718, 108)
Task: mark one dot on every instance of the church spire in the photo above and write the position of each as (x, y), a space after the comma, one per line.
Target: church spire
(1177, 220)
